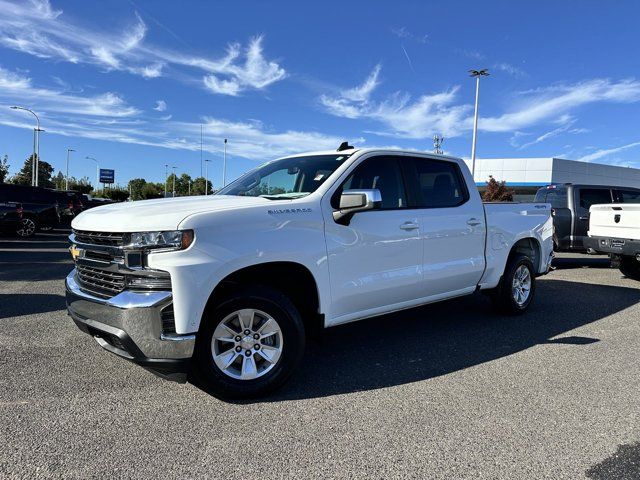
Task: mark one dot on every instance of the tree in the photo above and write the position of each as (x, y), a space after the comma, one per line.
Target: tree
(58, 181)
(198, 186)
(152, 190)
(497, 191)
(117, 194)
(4, 168)
(23, 177)
(136, 187)
(83, 185)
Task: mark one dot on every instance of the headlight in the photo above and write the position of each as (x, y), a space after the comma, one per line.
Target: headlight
(175, 240)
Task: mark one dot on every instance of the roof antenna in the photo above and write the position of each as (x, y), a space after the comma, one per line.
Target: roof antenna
(344, 146)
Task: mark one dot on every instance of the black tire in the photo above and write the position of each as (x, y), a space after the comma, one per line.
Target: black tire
(630, 267)
(26, 227)
(281, 309)
(503, 295)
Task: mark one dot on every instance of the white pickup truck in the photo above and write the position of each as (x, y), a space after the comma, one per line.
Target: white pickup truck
(226, 286)
(615, 229)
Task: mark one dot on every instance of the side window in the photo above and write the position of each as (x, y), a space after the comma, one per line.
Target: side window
(557, 197)
(594, 196)
(382, 173)
(441, 183)
(629, 196)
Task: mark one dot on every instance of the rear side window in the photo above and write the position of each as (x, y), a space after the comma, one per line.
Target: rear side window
(629, 196)
(440, 183)
(594, 196)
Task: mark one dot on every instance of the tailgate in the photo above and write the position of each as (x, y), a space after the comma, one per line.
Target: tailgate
(618, 220)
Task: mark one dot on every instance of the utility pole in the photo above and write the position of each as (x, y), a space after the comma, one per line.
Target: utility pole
(166, 175)
(477, 74)
(224, 165)
(437, 144)
(174, 181)
(36, 145)
(206, 177)
(201, 137)
(97, 170)
(66, 178)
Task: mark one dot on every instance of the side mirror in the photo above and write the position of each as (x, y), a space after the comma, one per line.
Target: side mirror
(354, 201)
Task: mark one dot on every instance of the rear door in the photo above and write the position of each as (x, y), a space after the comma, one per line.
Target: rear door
(584, 198)
(452, 224)
(557, 196)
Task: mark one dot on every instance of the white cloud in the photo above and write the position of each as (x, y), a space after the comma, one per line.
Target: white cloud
(15, 88)
(161, 106)
(608, 151)
(402, 116)
(405, 34)
(510, 69)
(108, 117)
(37, 29)
(542, 105)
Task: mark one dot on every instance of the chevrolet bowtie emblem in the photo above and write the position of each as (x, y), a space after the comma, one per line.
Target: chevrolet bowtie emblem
(75, 252)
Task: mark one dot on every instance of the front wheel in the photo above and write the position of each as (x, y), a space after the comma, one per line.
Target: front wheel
(517, 286)
(630, 267)
(26, 228)
(249, 344)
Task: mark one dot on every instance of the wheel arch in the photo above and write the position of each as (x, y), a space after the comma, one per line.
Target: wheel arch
(291, 278)
(529, 246)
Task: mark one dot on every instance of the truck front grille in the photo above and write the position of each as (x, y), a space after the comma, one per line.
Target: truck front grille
(99, 238)
(100, 282)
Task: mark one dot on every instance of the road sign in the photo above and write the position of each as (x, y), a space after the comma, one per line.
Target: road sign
(107, 176)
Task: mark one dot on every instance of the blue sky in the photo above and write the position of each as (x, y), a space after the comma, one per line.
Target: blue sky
(130, 82)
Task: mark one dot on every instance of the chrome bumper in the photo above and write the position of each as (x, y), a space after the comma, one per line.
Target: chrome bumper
(129, 325)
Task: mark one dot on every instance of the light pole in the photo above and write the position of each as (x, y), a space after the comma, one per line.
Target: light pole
(201, 138)
(97, 170)
(66, 178)
(224, 165)
(166, 175)
(206, 177)
(174, 181)
(477, 74)
(36, 145)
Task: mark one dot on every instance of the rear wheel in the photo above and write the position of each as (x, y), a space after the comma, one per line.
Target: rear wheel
(249, 344)
(517, 286)
(630, 267)
(26, 227)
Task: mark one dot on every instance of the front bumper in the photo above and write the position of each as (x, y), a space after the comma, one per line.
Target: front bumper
(613, 246)
(129, 325)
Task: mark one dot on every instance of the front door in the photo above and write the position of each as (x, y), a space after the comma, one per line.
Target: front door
(375, 261)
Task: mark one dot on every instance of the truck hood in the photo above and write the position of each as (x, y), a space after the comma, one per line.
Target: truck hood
(160, 214)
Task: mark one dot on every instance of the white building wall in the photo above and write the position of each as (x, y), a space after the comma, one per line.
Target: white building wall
(542, 171)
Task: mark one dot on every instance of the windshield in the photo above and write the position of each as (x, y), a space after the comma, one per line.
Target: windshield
(285, 179)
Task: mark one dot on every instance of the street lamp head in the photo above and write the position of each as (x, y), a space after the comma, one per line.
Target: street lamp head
(479, 73)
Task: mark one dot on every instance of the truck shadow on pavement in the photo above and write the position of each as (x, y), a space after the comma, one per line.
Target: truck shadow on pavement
(563, 263)
(438, 339)
(18, 304)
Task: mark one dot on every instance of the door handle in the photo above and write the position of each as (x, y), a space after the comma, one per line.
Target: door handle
(473, 222)
(584, 218)
(409, 226)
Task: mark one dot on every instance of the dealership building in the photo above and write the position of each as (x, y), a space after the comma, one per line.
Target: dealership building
(526, 175)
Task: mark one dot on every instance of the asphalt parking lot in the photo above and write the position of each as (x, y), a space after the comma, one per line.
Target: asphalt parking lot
(444, 391)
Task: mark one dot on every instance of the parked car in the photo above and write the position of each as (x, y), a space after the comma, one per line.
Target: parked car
(614, 229)
(570, 209)
(231, 282)
(40, 210)
(10, 216)
(70, 203)
(91, 202)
